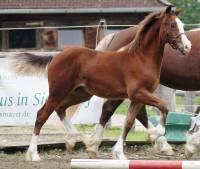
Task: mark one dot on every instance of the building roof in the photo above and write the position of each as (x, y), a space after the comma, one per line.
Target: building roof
(78, 6)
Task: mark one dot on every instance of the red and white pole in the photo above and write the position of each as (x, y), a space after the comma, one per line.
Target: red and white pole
(132, 164)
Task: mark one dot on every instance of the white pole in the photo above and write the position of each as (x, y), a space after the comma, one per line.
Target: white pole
(132, 164)
(99, 164)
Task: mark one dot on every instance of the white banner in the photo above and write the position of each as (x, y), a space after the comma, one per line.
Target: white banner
(20, 97)
(89, 112)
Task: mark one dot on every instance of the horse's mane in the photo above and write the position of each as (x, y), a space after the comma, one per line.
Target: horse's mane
(143, 28)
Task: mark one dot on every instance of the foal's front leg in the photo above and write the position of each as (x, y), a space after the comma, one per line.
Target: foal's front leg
(156, 133)
(134, 109)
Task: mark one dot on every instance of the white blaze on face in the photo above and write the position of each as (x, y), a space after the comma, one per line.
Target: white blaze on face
(186, 43)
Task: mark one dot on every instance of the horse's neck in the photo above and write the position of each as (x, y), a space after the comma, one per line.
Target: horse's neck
(152, 46)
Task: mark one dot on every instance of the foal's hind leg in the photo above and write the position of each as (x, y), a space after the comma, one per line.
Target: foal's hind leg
(93, 141)
(156, 133)
(79, 95)
(42, 116)
(72, 133)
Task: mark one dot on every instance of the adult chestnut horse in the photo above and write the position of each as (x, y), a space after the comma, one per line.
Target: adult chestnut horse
(132, 73)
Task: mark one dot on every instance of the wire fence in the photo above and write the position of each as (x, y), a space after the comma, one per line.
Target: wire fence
(82, 26)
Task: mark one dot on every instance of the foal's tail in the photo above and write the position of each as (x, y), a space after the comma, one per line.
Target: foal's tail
(29, 64)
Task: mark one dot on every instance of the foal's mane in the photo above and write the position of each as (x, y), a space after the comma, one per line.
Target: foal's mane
(143, 29)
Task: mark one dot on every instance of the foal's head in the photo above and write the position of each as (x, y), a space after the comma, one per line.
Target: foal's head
(170, 30)
(173, 32)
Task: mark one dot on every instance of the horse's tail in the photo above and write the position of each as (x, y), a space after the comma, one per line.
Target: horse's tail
(29, 64)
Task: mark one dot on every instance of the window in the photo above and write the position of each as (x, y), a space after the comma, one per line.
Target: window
(22, 39)
(70, 37)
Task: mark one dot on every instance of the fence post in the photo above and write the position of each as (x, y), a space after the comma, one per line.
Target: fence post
(168, 96)
(189, 101)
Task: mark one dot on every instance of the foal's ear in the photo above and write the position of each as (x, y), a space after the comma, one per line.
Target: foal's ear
(168, 9)
(178, 11)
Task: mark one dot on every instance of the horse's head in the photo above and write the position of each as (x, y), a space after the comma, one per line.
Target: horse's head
(172, 29)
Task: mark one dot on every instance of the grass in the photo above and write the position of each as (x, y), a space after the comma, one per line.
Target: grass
(114, 132)
(179, 100)
(197, 100)
(123, 108)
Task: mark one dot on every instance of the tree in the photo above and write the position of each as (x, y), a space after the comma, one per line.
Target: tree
(190, 10)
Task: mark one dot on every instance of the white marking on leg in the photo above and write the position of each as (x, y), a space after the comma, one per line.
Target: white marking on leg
(193, 144)
(186, 43)
(69, 126)
(93, 141)
(155, 132)
(32, 153)
(118, 150)
(73, 136)
(162, 146)
(98, 132)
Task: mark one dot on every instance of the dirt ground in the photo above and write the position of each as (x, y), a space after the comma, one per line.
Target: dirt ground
(60, 158)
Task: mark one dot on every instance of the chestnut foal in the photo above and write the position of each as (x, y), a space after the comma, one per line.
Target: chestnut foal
(133, 73)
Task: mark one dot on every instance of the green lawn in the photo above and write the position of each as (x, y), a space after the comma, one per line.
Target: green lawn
(114, 132)
(123, 108)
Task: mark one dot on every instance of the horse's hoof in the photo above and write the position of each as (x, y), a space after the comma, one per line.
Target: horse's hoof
(28, 156)
(92, 150)
(148, 140)
(32, 156)
(118, 155)
(168, 152)
(91, 145)
(70, 143)
(162, 147)
(91, 154)
(189, 150)
(69, 147)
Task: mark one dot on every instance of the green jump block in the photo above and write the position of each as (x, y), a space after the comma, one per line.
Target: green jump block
(177, 125)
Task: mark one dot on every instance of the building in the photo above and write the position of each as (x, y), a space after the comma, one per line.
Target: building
(59, 13)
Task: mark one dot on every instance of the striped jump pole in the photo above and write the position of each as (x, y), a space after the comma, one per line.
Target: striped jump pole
(132, 164)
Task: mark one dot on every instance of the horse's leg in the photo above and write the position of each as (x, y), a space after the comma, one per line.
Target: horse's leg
(134, 109)
(192, 145)
(156, 133)
(42, 116)
(72, 133)
(93, 141)
(142, 117)
(77, 96)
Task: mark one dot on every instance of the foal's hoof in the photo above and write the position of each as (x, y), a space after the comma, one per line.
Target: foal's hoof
(92, 145)
(70, 143)
(162, 147)
(189, 150)
(118, 155)
(91, 154)
(30, 156)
